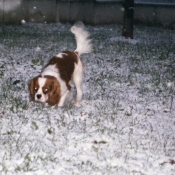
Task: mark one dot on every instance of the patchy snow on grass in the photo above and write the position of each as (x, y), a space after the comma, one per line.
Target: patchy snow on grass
(125, 123)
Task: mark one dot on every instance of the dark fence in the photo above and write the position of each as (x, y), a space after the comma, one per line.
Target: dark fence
(89, 11)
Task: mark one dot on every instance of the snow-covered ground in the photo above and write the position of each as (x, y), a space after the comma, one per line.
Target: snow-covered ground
(125, 124)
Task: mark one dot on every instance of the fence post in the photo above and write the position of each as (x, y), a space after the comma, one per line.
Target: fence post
(128, 19)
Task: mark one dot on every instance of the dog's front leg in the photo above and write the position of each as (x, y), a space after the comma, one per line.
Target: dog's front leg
(62, 99)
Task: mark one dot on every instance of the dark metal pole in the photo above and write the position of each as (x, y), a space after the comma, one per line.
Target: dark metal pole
(128, 19)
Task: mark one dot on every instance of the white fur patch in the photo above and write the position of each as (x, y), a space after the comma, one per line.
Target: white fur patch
(60, 55)
(84, 44)
(41, 82)
(51, 70)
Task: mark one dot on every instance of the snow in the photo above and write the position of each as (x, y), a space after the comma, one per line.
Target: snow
(23, 21)
(125, 123)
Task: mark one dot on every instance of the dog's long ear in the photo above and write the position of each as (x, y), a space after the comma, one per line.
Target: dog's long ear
(33, 83)
(55, 94)
(31, 88)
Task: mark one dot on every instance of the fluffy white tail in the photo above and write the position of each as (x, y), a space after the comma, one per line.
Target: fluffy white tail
(84, 44)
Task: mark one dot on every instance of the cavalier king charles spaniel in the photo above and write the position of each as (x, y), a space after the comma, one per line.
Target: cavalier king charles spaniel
(52, 86)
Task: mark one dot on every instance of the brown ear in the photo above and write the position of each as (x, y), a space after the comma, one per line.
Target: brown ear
(55, 94)
(31, 88)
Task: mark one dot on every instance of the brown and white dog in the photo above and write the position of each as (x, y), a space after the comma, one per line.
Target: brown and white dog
(52, 86)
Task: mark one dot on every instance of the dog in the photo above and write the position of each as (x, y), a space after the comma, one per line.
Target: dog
(52, 86)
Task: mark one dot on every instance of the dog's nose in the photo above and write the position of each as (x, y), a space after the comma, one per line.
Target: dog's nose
(38, 96)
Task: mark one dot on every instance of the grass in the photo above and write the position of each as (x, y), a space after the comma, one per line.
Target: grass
(125, 123)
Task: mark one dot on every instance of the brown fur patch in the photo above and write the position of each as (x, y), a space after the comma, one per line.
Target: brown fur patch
(54, 91)
(32, 85)
(65, 65)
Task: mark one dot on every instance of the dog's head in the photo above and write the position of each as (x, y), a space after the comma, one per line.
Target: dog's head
(45, 89)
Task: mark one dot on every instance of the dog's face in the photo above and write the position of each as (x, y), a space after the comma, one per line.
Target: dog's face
(45, 89)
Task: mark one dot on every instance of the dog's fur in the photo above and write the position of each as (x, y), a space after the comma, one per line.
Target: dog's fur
(52, 86)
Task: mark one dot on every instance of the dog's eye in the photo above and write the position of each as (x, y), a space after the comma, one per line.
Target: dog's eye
(45, 91)
(35, 89)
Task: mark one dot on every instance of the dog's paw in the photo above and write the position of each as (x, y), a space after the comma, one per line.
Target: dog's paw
(46, 104)
(76, 103)
(60, 105)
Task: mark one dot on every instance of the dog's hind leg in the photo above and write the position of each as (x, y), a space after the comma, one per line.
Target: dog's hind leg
(78, 79)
